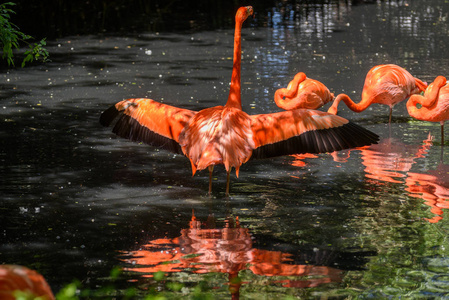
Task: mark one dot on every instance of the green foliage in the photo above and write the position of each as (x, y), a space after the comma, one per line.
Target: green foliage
(68, 292)
(11, 37)
(26, 295)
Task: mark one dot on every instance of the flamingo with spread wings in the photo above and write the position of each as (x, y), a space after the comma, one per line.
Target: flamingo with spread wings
(384, 84)
(303, 92)
(434, 104)
(227, 135)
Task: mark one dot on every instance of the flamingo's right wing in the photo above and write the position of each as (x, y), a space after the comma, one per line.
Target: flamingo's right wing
(305, 131)
(148, 121)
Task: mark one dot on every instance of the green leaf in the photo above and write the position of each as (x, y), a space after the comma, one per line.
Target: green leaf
(11, 37)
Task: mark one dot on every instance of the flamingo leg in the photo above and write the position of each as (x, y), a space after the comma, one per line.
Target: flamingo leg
(211, 169)
(442, 133)
(391, 112)
(228, 176)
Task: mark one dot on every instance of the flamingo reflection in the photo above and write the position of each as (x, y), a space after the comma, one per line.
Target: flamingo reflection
(202, 248)
(338, 156)
(391, 159)
(298, 160)
(433, 188)
(388, 161)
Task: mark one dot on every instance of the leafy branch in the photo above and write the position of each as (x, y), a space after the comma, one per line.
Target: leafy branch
(11, 37)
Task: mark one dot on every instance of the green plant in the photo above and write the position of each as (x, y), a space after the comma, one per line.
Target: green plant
(11, 37)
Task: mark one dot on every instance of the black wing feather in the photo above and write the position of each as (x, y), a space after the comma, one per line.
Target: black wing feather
(128, 128)
(349, 135)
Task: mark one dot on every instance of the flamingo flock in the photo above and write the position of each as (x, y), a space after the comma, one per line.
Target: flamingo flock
(226, 135)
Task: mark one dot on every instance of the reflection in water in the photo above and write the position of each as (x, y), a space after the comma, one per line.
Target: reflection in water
(299, 159)
(390, 159)
(433, 188)
(338, 156)
(203, 248)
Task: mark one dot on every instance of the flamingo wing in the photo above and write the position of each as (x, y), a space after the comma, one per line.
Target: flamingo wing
(305, 131)
(148, 121)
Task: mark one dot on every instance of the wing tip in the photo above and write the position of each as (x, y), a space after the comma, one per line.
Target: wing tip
(129, 128)
(108, 116)
(347, 136)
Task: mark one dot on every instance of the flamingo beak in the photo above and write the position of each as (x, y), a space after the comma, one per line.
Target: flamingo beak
(250, 11)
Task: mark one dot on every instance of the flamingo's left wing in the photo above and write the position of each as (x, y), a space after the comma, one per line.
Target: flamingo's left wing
(148, 121)
(305, 131)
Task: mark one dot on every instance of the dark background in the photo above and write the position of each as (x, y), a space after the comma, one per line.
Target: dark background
(58, 18)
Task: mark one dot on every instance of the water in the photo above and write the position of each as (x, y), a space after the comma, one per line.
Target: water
(367, 223)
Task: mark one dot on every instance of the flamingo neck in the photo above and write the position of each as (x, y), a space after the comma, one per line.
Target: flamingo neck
(429, 99)
(279, 98)
(411, 106)
(292, 89)
(357, 107)
(284, 96)
(234, 99)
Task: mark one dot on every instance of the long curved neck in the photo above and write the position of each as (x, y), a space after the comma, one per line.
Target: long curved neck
(431, 95)
(283, 96)
(357, 107)
(279, 98)
(292, 88)
(234, 99)
(413, 111)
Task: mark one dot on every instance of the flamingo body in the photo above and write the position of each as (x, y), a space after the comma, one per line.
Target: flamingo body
(434, 104)
(18, 278)
(303, 92)
(226, 134)
(384, 84)
(218, 135)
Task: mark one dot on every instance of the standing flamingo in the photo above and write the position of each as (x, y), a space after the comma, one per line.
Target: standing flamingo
(434, 104)
(227, 135)
(303, 92)
(384, 84)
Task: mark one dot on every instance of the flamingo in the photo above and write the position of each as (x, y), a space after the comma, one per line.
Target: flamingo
(434, 104)
(303, 92)
(384, 84)
(227, 135)
(19, 278)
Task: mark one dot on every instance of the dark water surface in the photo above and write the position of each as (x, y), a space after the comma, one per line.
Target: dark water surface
(76, 201)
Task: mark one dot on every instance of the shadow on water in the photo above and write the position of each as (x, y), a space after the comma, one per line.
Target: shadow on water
(369, 222)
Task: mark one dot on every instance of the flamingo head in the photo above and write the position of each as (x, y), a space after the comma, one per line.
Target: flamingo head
(243, 13)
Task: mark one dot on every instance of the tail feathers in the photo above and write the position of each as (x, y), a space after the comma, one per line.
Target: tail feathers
(347, 136)
(210, 156)
(108, 116)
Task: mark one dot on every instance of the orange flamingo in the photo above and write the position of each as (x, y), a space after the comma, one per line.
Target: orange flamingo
(303, 92)
(384, 84)
(434, 104)
(15, 278)
(227, 135)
